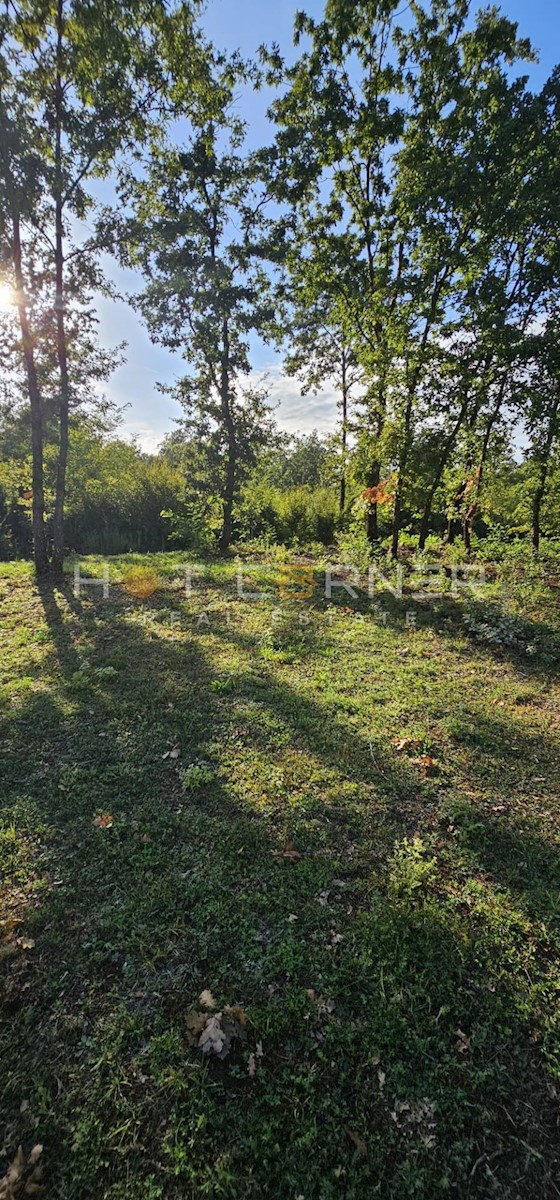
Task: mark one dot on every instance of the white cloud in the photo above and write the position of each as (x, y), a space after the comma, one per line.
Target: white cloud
(293, 412)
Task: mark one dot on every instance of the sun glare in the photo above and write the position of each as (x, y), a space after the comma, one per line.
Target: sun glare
(6, 297)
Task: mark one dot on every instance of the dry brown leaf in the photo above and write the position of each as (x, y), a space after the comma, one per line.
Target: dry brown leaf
(288, 852)
(25, 943)
(357, 1140)
(426, 762)
(23, 1178)
(104, 821)
(235, 1013)
(196, 1022)
(252, 1066)
(405, 743)
(214, 1034)
(206, 999)
(463, 1044)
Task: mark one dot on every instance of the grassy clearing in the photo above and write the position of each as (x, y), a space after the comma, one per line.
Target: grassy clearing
(357, 843)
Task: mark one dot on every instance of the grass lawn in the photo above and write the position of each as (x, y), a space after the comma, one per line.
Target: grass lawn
(345, 831)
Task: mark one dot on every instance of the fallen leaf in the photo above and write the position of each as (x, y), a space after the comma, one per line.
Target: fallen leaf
(206, 999)
(381, 1077)
(174, 752)
(196, 1022)
(463, 1044)
(426, 762)
(416, 1117)
(252, 1066)
(288, 852)
(259, 1050)
(25, 943)
(405, 743)
(23, 1178)
(104, 821)
(357, 1140)
(213, 1038)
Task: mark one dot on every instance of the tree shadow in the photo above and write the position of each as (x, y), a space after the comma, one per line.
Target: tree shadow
(187, 888)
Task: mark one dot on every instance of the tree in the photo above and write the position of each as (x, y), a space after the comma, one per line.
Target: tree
(383, 136)
(319, 354)
(79, 84)
(194, 214)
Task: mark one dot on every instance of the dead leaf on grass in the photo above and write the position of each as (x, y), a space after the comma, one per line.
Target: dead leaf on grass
(196, 1022)
(206, 999)
(463, 1044)
(23, 1178)
(416, 1117)
(213, 1039)
(288, 852)
(357, 1141)
(426, 762)
(173, 753)
(103, 821)
(214, 1034)
(25, 943)
(405, 743)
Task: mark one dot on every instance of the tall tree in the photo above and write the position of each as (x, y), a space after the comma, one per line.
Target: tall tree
(87, 80)
(383, 135)
(194, 216)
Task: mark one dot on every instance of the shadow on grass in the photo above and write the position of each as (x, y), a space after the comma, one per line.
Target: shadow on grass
(183, 892)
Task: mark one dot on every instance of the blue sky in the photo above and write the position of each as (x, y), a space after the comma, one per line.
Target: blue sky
(246, 24)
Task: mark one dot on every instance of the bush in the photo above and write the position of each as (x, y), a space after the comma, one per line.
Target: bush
(298, 516)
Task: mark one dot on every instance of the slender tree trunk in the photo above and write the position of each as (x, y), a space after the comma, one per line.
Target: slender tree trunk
(40, 554)
(374, 475)
(473, 506)
(426, 515)
(231, 462)
(544, 464)
(344, 432)
(397, 508)
(61, 349)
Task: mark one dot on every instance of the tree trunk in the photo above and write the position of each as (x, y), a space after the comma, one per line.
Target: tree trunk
(231, 461)
(397, 508)
(61, 351)
(473, 506)
(425, 524)
(344, 433)
(374, 477)
(544, 463)
(40, 553)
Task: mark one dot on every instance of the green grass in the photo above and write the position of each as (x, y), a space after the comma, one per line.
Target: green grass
(401, 974)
